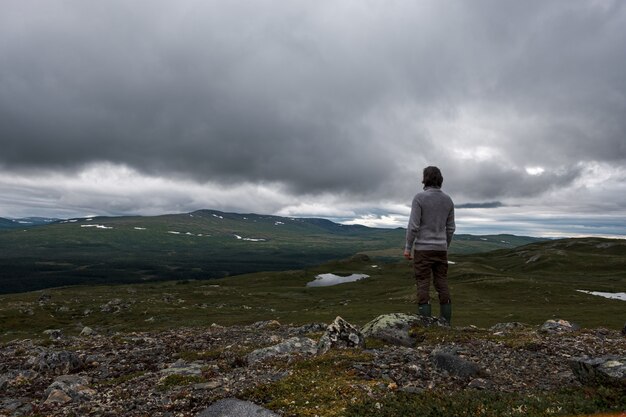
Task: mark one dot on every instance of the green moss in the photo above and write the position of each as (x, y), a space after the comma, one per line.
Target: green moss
(323, 386)
(488, 404)
(178, 380)
(208, 355)
(121, 379)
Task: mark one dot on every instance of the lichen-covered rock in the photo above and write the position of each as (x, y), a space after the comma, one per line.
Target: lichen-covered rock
(67, 388)
(455, 365)
(396, 328)
(87, 331)
(234, 407)
(180, 367)
(558, 326)
(340, 334)
(604, 369)
(294, 345)
(58, 363)
(507, 327)
(53, 334)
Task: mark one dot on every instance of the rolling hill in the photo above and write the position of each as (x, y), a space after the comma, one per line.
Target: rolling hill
(200, 245)
(501, 286)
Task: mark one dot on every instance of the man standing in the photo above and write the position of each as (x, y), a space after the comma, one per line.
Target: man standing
(430, 231)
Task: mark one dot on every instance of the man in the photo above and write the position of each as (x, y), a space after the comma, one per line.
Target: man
(430, 231)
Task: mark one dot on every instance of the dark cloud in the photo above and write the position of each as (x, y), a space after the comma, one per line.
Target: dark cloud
(333, 97)
(490, 204)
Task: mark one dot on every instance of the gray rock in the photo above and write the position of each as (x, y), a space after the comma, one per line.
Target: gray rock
(114, 306)
(311, 328)
(396, 328)
(266, 324)
(67, 388)
(44, 298)
(507, 327)
(558, 326)
(180, 367)
(611, 369)
(455, 365)
(54, 334)
(58, 363)
(300, 345)
(480, 384)
(15, 406)
(232, 407)
(340, 334)
(87, 331)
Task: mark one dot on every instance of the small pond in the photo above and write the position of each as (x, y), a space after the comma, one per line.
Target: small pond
(326, 280)
(612, 295)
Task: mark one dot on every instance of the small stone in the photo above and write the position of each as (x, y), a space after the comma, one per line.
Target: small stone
(54, 334)
(455, 365)
(57, 396)
(208, 385)
(180, 367)
(558, 326)
(480, 384)
(507, 327)
(87, 331)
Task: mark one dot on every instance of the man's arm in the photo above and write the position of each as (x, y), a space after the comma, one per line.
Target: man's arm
(413, 227)
(450, 226)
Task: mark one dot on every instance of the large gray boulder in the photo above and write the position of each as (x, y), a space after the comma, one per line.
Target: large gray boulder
(340, 335)
(294, 345)
(58, 362)
(66, 388)
(395, 328)
(603, 369)
(232, 407)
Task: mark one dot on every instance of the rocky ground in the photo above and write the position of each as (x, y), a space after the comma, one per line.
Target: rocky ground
(183, 371)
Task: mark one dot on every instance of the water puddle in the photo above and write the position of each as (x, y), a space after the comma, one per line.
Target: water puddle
(611, 295)
(326, 280)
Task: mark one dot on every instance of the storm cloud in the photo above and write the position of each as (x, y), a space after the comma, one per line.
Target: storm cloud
(331, 105)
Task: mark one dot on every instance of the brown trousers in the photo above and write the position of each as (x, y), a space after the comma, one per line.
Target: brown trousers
(425, 264)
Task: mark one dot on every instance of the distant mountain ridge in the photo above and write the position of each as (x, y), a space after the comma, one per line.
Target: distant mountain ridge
(24, 222)
(198, 245)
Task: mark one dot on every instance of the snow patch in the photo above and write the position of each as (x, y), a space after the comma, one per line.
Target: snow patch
(249, 239)
(97, 226)
(219, 217)
(326, 280)
(173, 232)
(140, 228)
(277, 223)
(612, 295)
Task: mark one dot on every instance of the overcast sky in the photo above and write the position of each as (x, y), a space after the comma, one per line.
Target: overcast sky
(317, 108)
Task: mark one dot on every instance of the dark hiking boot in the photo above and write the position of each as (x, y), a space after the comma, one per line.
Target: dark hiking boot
(446, 312)
(424, 310)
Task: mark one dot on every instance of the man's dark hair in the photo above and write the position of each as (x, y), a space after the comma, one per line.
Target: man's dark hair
(432, 177)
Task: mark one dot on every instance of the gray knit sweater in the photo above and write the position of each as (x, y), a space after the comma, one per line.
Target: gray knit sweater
(431, 224)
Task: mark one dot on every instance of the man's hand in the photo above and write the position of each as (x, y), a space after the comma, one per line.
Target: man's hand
(407, 254)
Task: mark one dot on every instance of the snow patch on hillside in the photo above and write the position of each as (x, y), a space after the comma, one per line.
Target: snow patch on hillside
(97, 226)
